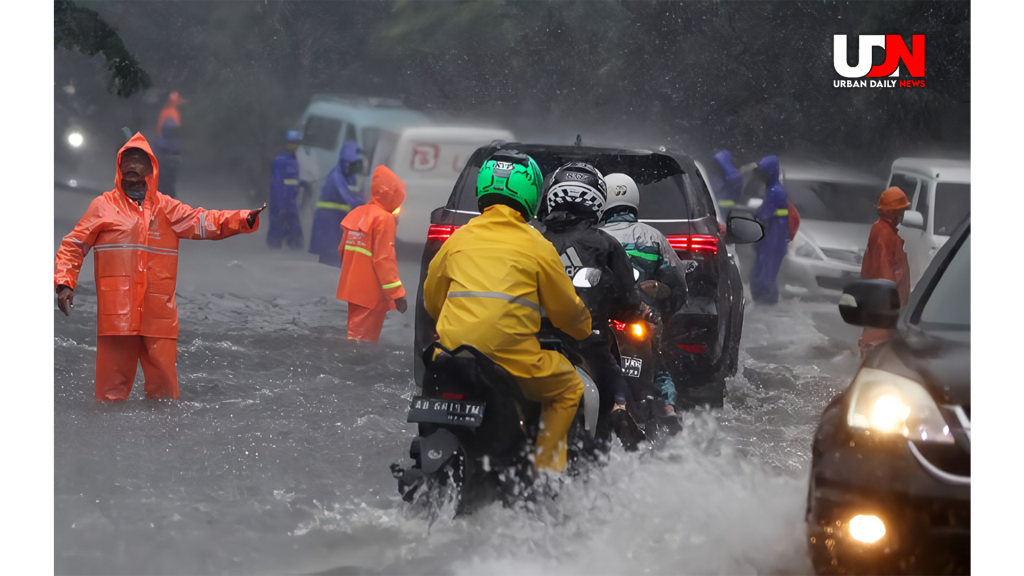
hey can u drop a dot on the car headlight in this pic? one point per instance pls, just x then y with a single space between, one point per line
884 402
804 249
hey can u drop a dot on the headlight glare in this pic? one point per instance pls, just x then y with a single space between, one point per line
884 402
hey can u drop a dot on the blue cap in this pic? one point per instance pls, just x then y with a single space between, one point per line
294 136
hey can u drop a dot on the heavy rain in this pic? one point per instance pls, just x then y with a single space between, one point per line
779 355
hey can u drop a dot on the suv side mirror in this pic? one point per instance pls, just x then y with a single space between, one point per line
741 230
870 303
913 219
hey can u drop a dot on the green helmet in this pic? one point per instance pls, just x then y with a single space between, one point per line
511 175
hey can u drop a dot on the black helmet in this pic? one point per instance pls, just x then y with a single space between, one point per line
575 186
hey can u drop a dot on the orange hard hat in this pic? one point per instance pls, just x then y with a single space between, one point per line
893 199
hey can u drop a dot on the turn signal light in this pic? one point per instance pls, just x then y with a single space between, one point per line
397 210
440 232
637 330
697 243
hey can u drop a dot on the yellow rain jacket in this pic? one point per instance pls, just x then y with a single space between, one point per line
487 286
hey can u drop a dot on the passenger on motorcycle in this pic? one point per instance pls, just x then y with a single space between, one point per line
486 288
650 253
574 196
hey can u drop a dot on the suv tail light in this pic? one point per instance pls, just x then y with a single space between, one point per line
440 232
697 243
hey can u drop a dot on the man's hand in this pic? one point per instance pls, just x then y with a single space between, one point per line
65 299
251 218
401 305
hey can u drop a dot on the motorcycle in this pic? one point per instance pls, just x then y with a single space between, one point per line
638 344
477 430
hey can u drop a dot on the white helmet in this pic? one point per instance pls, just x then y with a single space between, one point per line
622 191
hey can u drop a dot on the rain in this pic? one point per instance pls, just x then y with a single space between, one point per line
275 457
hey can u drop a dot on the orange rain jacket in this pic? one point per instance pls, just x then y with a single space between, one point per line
885 257
170 112
136 252
369 269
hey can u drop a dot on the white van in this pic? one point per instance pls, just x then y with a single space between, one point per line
940 194
330 120
428 156
429 159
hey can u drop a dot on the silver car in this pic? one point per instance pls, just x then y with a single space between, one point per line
837 207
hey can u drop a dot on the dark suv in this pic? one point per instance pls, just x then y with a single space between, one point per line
701 341
890 488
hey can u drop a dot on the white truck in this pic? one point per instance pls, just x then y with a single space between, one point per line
939 191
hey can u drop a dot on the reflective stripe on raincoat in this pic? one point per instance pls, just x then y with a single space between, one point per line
729 184
369 268
486 288
135 251
337 198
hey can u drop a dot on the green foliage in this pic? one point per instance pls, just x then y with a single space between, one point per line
83 30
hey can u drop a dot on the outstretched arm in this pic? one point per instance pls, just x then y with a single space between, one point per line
201 224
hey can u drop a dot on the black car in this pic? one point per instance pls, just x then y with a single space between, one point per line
890 487
701 341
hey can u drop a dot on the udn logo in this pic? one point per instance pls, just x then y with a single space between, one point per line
895 51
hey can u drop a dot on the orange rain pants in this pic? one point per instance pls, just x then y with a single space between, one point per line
118 357
366 323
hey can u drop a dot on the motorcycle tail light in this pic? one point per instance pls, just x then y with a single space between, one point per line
701 244
453 396
620 326
440 232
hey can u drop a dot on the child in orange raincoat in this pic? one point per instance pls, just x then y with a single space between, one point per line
369 269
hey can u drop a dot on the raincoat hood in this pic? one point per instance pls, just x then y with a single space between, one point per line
725 162
769 167
138 141
386 189
349 154
893 199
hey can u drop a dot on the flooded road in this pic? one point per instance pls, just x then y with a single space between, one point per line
275 458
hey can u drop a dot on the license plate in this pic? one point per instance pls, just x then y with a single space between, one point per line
631 366
457 412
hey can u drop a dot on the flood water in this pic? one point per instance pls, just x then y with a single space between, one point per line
275 458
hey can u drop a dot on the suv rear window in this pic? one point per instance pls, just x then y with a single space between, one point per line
662 183
321 132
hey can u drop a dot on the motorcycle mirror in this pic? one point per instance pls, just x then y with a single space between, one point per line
654 289
586 277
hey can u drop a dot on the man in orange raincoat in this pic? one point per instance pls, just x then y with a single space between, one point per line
369 270
885 257
133 231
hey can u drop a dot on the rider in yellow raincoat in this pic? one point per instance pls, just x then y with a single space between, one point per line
486 288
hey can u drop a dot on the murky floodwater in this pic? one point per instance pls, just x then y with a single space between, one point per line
275 458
